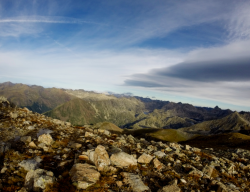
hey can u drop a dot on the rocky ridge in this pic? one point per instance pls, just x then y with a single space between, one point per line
39 153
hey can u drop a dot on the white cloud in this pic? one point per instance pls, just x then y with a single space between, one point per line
102 68
239 24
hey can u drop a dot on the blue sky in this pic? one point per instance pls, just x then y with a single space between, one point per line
189 51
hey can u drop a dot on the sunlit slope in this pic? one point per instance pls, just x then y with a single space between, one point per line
171 135
79 112
35 98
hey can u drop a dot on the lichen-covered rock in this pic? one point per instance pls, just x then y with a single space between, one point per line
170 188
30 164
122 159
46 139
84 175
101 158
135 182
36 180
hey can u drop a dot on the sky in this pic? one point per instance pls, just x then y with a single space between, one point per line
188 51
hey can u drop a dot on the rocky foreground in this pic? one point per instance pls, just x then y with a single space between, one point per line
43 154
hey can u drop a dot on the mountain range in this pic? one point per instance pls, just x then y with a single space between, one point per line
81 107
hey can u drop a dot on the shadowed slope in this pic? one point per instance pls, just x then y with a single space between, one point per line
221 141
234 122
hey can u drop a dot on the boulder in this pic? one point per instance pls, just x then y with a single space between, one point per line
208 170
122 159
157 164
58 122
101 158
76 145
46 139
170 188
196 173
89 134
30 164
13 115
160 154
135 182
36 180
30 127
145 158
43 131
26 139
83 157
84 175
4 147
32 145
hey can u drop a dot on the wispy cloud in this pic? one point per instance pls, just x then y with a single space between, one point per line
239 23
47 19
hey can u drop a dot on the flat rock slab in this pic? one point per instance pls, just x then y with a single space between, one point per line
123 159
135 182
145 158
84 175
170 188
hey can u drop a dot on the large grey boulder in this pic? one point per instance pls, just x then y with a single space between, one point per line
134 182
123 159
36 180
84 175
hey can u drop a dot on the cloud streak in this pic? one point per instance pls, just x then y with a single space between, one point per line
210 71
44 19
217 73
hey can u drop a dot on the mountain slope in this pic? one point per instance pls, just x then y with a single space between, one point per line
79 112
196 113
162 119
231 123
35 98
